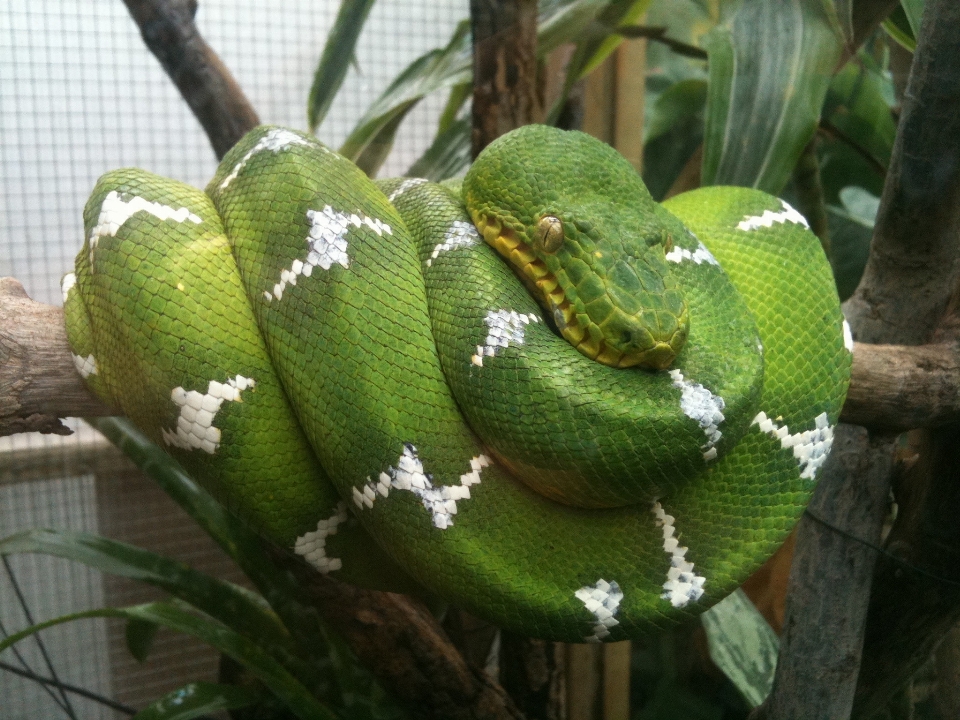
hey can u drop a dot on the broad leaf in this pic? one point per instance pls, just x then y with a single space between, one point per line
280 682
770 66
197 699
742 645
913 9
674 131
337 56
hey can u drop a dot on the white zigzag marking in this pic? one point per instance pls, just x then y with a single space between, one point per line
313 545
115 211
810 447
700 255
460 234
66 284
327 243
505 327
407 184
275 141
682 584
769 218
603 600
847 337
699 404
195 428
86 366
409 475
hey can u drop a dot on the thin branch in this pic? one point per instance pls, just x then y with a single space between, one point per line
210 90
658 34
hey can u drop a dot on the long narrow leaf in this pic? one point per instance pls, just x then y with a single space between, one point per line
559 21
447 156
236 607
770 66
281 683
337 55
197 699
277 586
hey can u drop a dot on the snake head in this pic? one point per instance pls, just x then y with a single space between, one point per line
573 219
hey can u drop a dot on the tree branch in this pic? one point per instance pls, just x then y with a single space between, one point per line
893 387
204 82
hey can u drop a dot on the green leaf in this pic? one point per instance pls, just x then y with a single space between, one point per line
559 21
595 41
742 645
437 69
447 156
770 66
337 55
680 102
861 205
290 601
197 699
913 9
170 615
898 26
140 635
243 611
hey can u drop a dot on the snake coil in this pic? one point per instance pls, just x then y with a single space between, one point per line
359 376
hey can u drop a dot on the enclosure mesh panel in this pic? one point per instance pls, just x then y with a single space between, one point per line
80 95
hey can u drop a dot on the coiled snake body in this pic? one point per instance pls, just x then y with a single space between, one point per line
335 361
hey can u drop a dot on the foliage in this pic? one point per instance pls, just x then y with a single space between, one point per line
297 662
770 86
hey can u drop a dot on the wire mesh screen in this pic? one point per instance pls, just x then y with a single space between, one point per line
79 95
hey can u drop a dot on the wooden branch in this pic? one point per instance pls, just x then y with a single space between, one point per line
897 387
893 387
38 381
204 82
911 277
505 90
915 255
400 641
831 574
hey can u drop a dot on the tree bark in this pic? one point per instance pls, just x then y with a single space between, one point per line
909 282
505 90
204 81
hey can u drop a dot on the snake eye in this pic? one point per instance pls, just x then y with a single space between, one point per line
549 233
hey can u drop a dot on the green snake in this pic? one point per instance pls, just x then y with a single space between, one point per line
544 397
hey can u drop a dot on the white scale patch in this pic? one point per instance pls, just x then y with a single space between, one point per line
115 211
86 366
410 476
699 404
847 337
603 600
195 428
66 284
327 243
504 327
313 545
274 141
682 585
700 255
769 218
404 186
460 234
810 447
